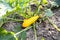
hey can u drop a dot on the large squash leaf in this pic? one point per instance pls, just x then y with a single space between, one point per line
4 35
3 8
57 1
21 36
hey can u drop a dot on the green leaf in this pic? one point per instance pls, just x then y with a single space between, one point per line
22 35
57 1
3 8
4 35
11 1
48 12
2 31
8 36
6 1
2 21
23 3
17 28
54 4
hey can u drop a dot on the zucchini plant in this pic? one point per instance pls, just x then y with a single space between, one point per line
30 10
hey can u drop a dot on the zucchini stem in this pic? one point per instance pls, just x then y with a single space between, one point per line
55 26
22 30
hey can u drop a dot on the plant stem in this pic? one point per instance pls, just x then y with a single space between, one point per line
34 31
13 19
55 26
23 30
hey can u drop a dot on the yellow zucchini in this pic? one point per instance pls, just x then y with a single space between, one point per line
28 22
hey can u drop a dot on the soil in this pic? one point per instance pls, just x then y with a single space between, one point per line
43 29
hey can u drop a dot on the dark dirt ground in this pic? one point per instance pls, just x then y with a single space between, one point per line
43 29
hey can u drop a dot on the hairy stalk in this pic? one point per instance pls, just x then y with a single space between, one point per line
13 19
55 26
34 31
23 30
